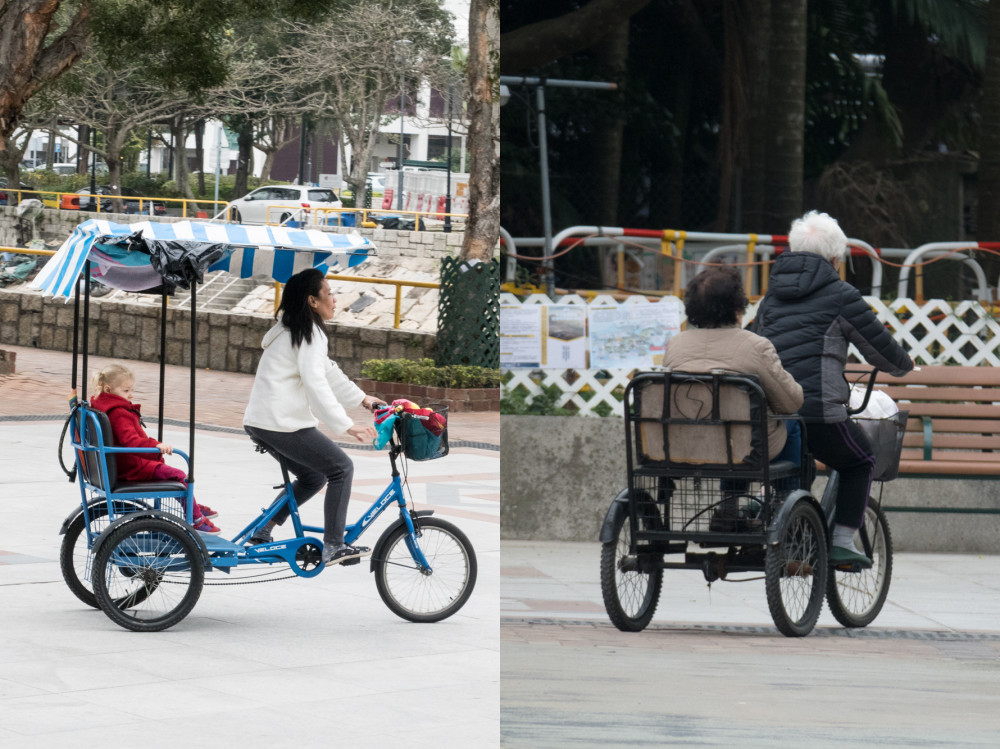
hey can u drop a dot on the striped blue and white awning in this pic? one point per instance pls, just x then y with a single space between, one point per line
264 252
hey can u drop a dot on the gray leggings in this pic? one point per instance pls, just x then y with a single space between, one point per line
314 460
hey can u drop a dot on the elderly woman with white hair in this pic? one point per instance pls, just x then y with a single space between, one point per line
811 317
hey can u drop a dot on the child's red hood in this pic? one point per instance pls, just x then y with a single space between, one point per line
106 401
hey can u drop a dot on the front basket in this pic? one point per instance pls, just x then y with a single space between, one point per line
886 437
419 442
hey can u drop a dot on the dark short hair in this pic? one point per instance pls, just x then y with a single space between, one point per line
714 298
296 313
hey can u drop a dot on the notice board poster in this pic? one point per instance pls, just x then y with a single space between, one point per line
566 336
631 336
521 336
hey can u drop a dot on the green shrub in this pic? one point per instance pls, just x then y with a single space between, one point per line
424 372
544 404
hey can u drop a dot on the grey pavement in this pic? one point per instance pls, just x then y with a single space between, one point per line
711 669
295 662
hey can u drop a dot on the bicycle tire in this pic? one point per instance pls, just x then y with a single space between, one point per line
795 571
415 595
633 611
856 598
159 556
75 558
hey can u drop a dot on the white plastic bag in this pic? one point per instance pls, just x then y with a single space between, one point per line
880 405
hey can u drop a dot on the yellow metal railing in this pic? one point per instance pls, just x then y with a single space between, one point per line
379 281
25 251
320 217
70 201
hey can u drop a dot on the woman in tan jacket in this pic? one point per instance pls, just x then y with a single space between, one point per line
714 302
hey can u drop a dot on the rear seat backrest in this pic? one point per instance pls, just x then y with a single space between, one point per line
93 458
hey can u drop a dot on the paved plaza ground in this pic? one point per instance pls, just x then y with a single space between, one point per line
297 662
712 671
531 662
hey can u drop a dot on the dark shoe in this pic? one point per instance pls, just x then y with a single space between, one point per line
260 536
344 554
841 556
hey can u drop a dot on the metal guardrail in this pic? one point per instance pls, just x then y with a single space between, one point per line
319 217
193 208
58 200
377 281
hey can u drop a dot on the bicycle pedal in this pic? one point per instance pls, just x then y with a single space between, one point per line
349 562
850 567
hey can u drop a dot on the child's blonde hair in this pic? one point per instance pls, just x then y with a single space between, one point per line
111 375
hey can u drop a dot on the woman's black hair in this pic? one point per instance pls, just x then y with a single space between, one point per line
714 298
296 313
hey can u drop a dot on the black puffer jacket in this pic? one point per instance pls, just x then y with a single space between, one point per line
811 317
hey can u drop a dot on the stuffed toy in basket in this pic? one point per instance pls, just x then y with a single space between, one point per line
422 432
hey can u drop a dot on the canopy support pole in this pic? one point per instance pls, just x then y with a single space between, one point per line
163 358
194 343
76 333
86 325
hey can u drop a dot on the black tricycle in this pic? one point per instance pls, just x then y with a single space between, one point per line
704 495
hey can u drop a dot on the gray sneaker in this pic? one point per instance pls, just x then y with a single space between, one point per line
344 553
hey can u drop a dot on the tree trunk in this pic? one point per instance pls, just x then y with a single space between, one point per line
29 58
988 179
265 170
758 31
180 123
10 162
608 140
482 228
50 144
244 159
114 139
199 150
82 152
787 87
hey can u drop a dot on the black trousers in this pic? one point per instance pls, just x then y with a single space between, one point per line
314 460
845 447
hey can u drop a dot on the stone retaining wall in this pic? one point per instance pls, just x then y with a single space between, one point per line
560 474
226 341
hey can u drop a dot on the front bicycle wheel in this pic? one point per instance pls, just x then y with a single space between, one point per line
795 571
148 575
856 598
426 595
630 584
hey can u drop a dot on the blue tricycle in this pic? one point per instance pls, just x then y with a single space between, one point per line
129 548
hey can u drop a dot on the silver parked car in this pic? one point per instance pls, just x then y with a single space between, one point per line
278 204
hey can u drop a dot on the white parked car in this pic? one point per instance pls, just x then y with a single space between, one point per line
278 204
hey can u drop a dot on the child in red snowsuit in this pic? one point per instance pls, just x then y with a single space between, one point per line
114 385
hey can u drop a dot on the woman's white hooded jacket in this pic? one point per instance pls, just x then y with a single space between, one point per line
295 388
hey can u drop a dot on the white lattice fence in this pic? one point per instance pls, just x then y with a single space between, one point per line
937 332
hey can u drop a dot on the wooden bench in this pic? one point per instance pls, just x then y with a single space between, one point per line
954 424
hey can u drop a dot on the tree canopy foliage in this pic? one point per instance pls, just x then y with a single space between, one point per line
891 91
